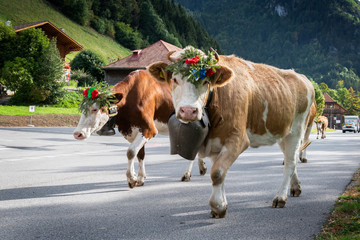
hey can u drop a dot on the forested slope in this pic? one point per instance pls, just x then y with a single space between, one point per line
318 38
137 23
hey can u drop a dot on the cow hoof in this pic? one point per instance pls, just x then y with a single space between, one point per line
203 171
222 214
132 184
185 177
295 192
303 160
140 183
278 203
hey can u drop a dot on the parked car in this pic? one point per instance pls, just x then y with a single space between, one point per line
351 124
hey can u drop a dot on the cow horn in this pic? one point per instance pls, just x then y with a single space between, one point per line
215 54
169 54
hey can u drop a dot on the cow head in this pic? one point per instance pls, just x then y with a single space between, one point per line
94 112
318 123
192 75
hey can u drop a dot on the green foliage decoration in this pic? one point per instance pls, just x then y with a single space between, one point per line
101 94
194 65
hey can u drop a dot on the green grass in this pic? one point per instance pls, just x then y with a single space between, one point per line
344 221
26 11
313 130
43 110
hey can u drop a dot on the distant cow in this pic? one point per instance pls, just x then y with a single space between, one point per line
144 106
252 105
321 126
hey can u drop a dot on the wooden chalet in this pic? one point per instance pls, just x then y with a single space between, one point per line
334 112
64 42
139 59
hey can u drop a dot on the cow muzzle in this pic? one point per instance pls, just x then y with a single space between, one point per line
188 114
79 136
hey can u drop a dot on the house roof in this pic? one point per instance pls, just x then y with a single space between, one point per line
52 31
141 58
328 99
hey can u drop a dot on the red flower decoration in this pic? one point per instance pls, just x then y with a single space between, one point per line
209 72
94 94
192 61
86 92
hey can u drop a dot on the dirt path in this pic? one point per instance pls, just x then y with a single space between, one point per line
54 120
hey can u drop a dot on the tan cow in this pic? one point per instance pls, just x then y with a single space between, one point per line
321 126
252 105
143 107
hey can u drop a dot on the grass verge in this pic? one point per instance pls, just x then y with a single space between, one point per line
40 110
344 221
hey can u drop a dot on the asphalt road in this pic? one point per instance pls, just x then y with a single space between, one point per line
53 187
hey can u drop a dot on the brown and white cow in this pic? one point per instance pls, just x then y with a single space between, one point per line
144 106
321 126
252 105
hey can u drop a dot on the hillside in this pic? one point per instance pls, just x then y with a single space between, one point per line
25 11
138 23
318 38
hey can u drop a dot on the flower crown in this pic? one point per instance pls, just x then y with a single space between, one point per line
101 95
195 65
318 120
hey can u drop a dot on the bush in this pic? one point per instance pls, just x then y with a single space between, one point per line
71 100
90 62
15 74
83 79
98 24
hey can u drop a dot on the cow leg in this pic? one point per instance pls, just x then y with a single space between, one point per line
221 164
133 150
289 145
302 154
317 133
187 174
141 172
202 166
202 169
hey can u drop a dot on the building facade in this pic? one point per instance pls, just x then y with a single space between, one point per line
334 112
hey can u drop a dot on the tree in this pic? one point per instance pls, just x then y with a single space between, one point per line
319 99
49 74
342 95
125 35
323 87
153 26
352 103
33 69
15 74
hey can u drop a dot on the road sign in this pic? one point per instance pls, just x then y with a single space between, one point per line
31 109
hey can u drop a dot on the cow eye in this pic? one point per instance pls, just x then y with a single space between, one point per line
175 81
94 110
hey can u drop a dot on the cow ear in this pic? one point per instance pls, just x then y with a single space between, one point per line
157 70
119 96
222 76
